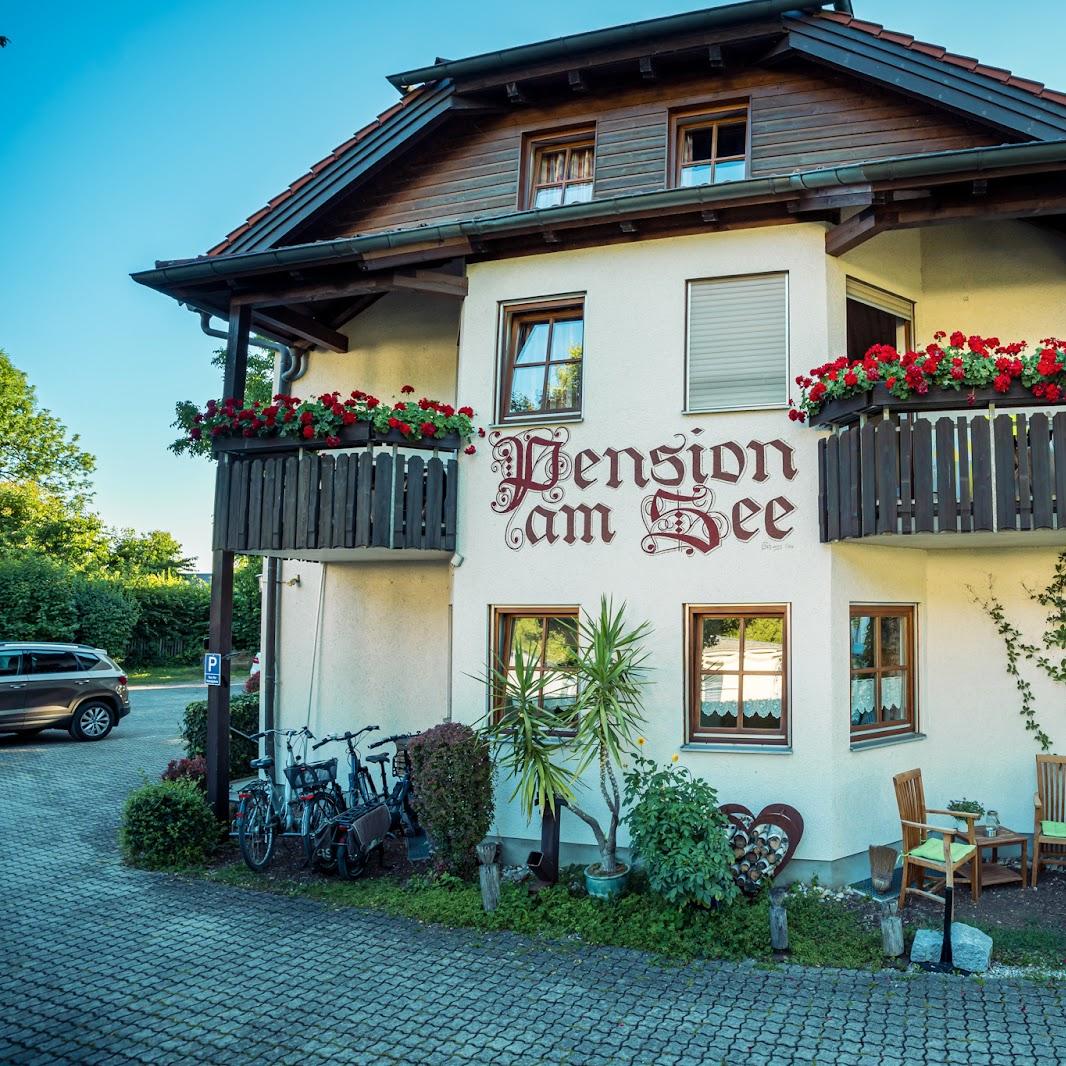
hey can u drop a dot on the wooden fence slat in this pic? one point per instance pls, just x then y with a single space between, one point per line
832 486
326 472
399 490
313 493
340 500
962 438
380 531
906 475
434 503
364 500
451 503
1006 490
255 504
1025 471
266 521
922 445
303 496
868 463
946 503
223 476
887 476
1059 444
823 517
413 520
290 501
238 522
854 500
351 500
981 484
1040 452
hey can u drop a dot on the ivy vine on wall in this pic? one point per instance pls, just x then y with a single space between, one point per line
1049 655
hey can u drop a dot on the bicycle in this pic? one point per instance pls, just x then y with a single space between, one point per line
266 809
360 831
326 801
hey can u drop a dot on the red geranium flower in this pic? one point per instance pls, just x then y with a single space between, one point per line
428 429
470 449
468 411
407 389
309 431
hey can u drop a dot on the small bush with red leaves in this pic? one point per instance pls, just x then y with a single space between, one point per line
194 770
252 684
452 787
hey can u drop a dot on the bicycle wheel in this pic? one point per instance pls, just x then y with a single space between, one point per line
316 829
256 834
351 857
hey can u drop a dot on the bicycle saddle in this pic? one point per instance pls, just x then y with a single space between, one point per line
376 758
262 764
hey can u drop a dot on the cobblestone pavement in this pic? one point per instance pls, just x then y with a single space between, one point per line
101 964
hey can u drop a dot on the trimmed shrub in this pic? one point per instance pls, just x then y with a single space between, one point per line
194 770
167 825
35 600
106 613
678 832
452 787
243 715
173 611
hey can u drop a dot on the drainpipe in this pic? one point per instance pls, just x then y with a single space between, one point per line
293 363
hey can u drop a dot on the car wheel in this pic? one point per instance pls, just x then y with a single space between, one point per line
93 720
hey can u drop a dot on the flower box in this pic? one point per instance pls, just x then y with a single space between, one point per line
847 409
359 434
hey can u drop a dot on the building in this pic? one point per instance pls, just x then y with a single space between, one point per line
622 248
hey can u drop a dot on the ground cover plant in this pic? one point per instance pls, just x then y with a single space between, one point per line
167 825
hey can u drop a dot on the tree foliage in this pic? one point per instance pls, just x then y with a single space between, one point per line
137 554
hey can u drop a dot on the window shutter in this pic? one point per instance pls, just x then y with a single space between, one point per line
738 342
883 301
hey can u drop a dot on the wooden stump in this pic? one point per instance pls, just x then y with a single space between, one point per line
489 874
891 931
778 921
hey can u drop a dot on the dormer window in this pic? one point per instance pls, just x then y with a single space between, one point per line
711 147
561 168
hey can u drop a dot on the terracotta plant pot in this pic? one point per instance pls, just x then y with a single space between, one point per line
606 886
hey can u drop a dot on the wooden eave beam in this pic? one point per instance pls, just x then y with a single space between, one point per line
308 329
857 230
428 281
432 281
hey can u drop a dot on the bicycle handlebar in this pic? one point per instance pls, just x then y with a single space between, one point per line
394 738
302 731
349 736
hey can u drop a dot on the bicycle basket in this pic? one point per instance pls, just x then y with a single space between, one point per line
306 776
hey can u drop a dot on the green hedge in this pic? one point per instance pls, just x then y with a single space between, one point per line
167 825
173 610
244 715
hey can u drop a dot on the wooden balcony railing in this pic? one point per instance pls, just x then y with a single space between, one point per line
317 502
965 474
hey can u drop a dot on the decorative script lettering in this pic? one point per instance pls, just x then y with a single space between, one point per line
682 513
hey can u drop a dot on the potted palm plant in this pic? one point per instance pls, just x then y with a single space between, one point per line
541 747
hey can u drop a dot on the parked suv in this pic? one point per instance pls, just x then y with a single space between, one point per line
60 686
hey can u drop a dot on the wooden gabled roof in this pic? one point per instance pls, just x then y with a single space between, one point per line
1021 108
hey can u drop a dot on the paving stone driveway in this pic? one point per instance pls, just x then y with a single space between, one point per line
101 964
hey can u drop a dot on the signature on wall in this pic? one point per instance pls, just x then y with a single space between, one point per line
683 513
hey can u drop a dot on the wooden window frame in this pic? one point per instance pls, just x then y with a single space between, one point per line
501 637
701 117
697 734
583 136
882 728
514 316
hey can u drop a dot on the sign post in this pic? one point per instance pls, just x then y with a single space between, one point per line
212 668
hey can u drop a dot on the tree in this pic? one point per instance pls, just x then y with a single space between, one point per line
156 552
34 444
36 522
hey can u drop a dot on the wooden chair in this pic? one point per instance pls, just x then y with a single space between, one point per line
1049 821
921 852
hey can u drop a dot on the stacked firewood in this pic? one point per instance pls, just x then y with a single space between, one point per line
757 851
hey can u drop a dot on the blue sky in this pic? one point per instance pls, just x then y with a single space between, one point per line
131 132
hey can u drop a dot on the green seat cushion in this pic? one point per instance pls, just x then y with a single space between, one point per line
1053 829
933 849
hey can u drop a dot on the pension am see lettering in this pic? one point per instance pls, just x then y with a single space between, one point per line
696 493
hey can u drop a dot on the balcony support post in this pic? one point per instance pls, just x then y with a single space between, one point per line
220 632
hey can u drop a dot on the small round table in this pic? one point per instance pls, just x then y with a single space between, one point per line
994 873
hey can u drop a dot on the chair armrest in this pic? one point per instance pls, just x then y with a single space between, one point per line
966 815
931 828
1037 802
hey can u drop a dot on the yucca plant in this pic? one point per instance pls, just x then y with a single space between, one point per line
608 707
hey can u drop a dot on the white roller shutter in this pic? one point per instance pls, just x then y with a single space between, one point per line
879 298
738 342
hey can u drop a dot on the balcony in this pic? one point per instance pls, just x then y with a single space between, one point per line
364 505
900 474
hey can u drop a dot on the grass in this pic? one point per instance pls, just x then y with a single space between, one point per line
1043 948
174 675
820 932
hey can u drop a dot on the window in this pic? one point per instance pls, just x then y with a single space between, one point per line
737 343
9 663
882 671
877 317
548 636
90 662
52 662
738 669
543 351
561 169
711 148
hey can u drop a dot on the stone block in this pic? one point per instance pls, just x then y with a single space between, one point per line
971 950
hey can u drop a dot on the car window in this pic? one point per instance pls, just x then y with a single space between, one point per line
89 662
9 663
52 662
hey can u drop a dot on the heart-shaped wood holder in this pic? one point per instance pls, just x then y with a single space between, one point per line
763 844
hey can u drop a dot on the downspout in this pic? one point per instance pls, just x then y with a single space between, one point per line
293 363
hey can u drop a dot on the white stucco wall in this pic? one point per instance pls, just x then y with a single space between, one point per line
393 638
